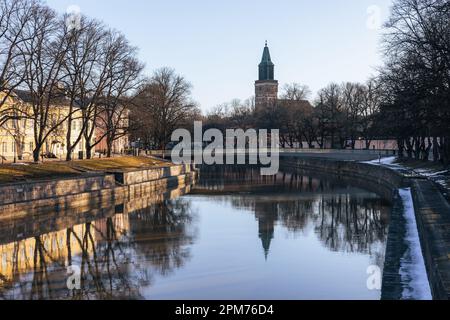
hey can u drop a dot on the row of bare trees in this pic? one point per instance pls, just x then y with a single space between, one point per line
341 115
407 101
65 60
347 113
416 78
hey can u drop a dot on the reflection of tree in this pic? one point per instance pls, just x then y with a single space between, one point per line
116 255
350 224
345 219
343 223
103 275
161 236
40 274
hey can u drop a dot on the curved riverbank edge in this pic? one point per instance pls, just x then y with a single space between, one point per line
432 213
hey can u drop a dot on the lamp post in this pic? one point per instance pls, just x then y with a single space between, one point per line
15 149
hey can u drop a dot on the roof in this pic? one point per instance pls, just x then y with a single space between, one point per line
266 60
27 97
303 104
266 67
24 95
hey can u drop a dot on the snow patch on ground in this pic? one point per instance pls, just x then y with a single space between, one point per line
383 161
440 177
430 173
412 265
443 183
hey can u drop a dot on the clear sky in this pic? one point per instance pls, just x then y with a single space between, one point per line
217 45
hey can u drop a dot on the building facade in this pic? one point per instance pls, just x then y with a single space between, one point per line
266 87
120 124
17 141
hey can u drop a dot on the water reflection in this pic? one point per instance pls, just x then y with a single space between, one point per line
115 255
231 237
346 219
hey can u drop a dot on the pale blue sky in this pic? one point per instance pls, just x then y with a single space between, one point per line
217 45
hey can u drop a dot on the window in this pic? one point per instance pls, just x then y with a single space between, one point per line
31 146
4 147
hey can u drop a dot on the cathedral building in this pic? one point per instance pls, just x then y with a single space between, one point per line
266 87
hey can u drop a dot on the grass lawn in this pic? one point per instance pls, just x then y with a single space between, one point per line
50 170
16 173
122 163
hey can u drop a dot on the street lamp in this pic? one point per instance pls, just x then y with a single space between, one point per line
15 149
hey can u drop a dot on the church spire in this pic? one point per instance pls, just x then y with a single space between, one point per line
266 67
266 87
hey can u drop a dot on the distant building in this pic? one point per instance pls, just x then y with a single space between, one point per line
266 97
121 138
266 87
17 134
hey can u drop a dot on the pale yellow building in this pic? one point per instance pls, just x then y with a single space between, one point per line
17 135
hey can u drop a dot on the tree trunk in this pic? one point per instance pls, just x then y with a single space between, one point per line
109 145
401 148
36 154
436 157
69 154
69 138
445 155
417 148
88 146
409 148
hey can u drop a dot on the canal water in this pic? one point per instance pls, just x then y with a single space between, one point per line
234 235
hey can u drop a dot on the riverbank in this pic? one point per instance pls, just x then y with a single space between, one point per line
79 184
433 171
20 172
432 214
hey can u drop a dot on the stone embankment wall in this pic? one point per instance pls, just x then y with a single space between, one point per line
431 209
35 198
30 191
379 179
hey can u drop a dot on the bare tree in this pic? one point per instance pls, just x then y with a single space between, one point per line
416 77
83 81
117 79
370 108
44 52
15 17
296 91
352 97
329 112
164 104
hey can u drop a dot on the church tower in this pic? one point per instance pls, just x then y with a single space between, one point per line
266 88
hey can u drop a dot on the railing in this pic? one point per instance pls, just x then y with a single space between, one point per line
291 150
343 151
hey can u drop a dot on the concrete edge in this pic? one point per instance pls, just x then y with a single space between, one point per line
431 209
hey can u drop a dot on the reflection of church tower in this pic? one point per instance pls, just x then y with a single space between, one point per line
267 217
266 88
